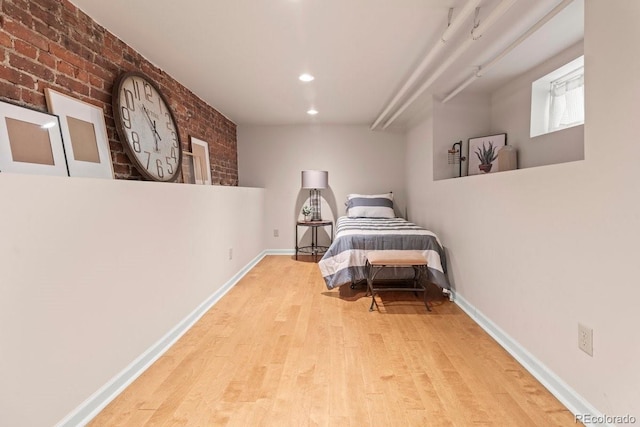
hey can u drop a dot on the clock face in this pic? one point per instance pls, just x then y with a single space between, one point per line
146 127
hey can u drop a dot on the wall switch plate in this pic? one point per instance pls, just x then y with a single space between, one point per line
230 253
585 339
276 232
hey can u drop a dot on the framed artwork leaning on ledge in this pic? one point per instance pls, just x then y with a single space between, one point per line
483 153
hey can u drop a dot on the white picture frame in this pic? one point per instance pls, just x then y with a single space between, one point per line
30 142
190 165
84 134
200 150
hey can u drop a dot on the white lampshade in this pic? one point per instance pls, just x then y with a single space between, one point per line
315 179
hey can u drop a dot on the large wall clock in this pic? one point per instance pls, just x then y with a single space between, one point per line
147 127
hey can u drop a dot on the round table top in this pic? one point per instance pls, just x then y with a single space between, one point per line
318 222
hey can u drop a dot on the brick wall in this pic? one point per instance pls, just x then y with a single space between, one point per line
51 43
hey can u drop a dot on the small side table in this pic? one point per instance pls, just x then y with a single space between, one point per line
314 249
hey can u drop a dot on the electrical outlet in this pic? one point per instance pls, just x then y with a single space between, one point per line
230 253
276 232
585 339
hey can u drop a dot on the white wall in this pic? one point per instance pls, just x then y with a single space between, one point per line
538 250
93 272
465 116
357 159
511 113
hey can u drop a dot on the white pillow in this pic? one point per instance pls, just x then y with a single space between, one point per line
370 206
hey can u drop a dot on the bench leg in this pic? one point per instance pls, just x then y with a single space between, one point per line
422 273
371 274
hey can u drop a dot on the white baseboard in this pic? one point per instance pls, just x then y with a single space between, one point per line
280 252
88 409
561 390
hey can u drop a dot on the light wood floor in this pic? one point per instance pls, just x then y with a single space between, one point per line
281 350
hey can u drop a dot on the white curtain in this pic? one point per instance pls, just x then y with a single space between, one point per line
567 101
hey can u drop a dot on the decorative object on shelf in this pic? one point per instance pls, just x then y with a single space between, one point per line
200 151
507 158
306 211
30 141
315 181
190 166
84 134
146 126
483 153
454 156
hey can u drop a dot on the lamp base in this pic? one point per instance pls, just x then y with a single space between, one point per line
314 201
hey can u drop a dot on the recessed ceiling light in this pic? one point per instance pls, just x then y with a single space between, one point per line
306 77
312 112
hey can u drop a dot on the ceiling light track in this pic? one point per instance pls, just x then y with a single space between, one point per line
484 68
452 29
476 33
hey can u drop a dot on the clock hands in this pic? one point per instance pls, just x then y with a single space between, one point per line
152 124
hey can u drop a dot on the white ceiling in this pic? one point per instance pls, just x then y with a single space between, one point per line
243 57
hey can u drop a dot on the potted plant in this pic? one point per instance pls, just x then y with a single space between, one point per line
306 211
486 157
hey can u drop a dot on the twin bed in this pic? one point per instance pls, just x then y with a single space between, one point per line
371 225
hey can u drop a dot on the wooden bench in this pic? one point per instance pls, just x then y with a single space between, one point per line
379 260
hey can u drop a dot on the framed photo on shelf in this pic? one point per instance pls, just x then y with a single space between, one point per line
84 134
483 153
191 166
30 141
200 150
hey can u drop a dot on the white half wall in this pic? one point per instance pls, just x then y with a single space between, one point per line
358 161
539 250
511 113
94 272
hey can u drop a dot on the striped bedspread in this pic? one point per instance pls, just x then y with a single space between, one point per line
344 261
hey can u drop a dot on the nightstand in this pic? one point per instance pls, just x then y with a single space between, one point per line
313 249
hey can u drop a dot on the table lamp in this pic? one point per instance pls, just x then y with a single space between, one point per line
314 181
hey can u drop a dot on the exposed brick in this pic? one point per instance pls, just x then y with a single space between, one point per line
69 7
66 68
47 59
100 95
46 31
121 158
48 13
88 36
71 45
63 54
26 49
113 56
53 6
70 18
30 66
23 33
72 84
96 81
83 76
9 90
123 170
104 72
31 97
17 77
5 39
16 13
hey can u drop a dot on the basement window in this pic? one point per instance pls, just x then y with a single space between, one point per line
557 99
